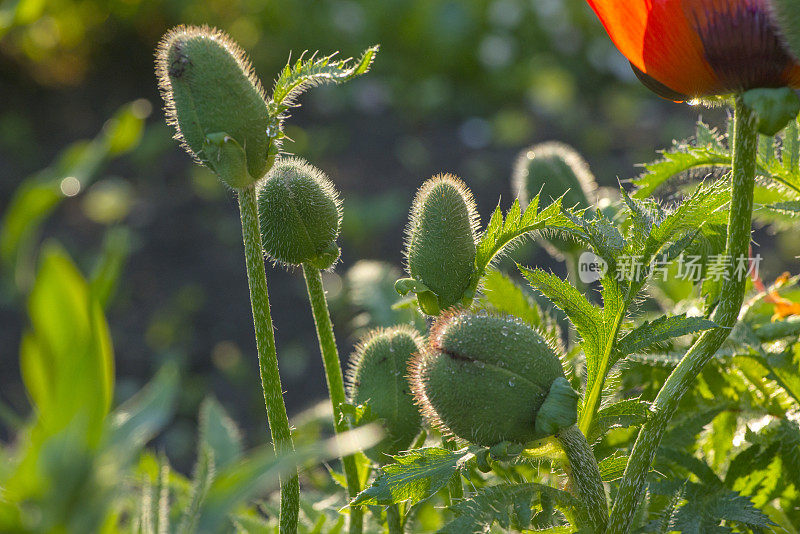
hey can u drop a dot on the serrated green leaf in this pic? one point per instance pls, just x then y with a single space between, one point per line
660 330
678 160
621 414
613 467
586 317
502 505
305 73
414 476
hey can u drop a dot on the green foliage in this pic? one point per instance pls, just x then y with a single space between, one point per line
73 170
306 73
512 506
415 476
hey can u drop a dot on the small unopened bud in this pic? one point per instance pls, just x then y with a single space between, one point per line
300 213
376 377
551 170
490 379
215 102
440 243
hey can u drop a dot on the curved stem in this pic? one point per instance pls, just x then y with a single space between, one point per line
393 520
333 375
726 314
585 476
267 356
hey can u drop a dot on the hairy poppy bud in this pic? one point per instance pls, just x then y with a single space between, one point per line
376 378
215 102
489 379
300 213
440 243
551 170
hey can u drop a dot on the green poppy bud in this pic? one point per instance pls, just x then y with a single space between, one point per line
376 377
786 14
440 243
300 213
774 108
489 379
215 102
551 170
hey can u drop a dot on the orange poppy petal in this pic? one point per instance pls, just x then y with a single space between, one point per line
657 39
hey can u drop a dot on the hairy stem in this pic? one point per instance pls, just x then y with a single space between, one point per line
726 314
267 356
333 375
393 520
585 476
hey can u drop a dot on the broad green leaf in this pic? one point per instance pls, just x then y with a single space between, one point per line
414 476
66 359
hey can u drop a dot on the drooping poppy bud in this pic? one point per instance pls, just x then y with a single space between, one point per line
489 379
300 212
686 49
377 378
440 243
215 102
551 170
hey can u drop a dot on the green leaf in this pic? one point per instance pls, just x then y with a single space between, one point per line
621 414
586 317
500 234
66 359
414 476
679 159
510 505
305 73
219 433
141 417
660 330
791 208
202 479
613 467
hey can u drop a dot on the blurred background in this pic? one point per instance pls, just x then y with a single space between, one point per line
459 86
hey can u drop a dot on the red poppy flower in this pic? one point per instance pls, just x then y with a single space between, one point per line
691 48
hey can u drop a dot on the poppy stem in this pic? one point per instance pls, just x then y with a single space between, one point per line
267 356
333 375
631 490
584 476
